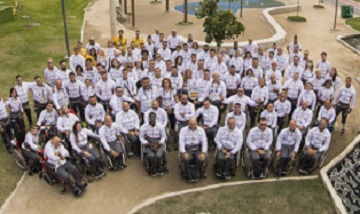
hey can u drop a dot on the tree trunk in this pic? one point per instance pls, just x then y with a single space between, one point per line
167 6
133 12
125 6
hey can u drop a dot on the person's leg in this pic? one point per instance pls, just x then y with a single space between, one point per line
9 136
75 174
96 157
28 115
220 164
254 155
283 156
172 120
228 163
33 159
252 114
199 163
116 146
63 175
266 161
311 161
344 115
151 157
159 159
135 144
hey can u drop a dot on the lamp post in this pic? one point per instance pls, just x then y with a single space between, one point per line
112 18
336 9
133 12
65 28
167 6
241 8
185 11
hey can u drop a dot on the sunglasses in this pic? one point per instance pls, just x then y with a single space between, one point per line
262 124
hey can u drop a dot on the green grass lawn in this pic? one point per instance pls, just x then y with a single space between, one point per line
354 23
25 51
276 197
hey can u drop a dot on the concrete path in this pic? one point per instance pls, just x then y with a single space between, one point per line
119 192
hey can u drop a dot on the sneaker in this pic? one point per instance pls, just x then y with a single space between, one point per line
284 173
82 186
130 155
219 174
262 175
77 192
89 178
136 156
160 171
153 172
227 176
302 171
98 175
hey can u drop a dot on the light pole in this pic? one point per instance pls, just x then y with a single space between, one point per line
241 8
185 11
336 9
133 12
112 18
65 28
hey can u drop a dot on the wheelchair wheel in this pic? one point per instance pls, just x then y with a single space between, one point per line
79 165
47 178
322 159
19 160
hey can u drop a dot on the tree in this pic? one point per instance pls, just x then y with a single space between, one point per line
218 25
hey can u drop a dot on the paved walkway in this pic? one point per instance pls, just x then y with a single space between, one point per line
119 192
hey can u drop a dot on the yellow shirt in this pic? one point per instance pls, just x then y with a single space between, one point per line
82 52
93 59
120 44
138 42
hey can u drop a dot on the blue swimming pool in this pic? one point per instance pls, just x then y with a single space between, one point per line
234 6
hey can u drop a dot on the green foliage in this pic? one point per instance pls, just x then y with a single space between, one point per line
218 25
6 14
318 6
354 23
296 18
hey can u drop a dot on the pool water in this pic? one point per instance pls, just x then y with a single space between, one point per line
234 5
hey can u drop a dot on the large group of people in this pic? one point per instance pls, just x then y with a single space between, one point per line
133 97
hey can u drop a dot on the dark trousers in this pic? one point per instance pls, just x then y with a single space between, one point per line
116 146
78 107
28 114
135 143
94 159
172 120
32 156
218 105
344 111
281 123
256 158
38 108
64 171
224 166
6 136
293 106
285 155
254 112
211 134
193 157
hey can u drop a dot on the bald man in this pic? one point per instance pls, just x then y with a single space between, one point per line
229 140
303 117
287 145
92 44
193 145
110 139
328 112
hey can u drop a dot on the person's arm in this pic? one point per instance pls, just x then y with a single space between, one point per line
214 117
199 112
137 121
218 138
275 120
279 141
326 144
192 112
269 140
41 118
92 134
177 113
239 141
103 113
74 145
204 141
119 118
146 116
163 135
249 142
352 100
59 125
228 100
142 135
87 118
313 102
165 118
309 117
103 139
308 137
50 154
266 100
298 140
243 118
182 140
299 101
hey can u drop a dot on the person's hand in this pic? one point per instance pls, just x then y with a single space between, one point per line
87 154
227 156
154 146
114 154
222 106
98 124
182 115
261 152
47 127
136 133
258 101
57 154
1 130
67 133
278 154
53 90
221 97
185 156
205 127
201 156
292 155
169 111
223 151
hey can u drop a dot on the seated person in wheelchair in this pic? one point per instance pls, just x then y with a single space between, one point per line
94 114
259 141
287 145
210 115
240 117
270 115
128 123
31 148
65 124
111 138
317 142
152 135
84 148
48 119
229 140
193 146
328 112
56 154
303 117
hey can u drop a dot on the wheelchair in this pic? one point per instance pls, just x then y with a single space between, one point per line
233 167
246 163
193 169
83 164
317 164
276 161
146 163
109 163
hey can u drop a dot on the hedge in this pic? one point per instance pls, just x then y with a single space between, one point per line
6 14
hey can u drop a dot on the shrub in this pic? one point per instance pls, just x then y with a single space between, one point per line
296 19
318 6
6 14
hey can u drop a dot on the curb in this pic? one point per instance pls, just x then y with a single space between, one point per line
8 200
